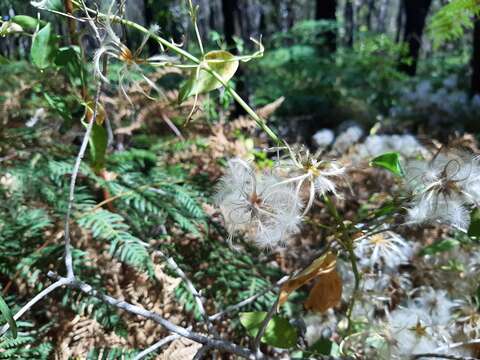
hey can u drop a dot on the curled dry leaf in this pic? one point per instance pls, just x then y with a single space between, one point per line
322 265
89 109
326 293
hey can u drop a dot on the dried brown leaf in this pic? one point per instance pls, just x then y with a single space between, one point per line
322 265
326 293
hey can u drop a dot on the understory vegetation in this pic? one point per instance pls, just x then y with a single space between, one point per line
173 191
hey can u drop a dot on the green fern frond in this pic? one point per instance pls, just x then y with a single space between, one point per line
112 228
114 354
450 21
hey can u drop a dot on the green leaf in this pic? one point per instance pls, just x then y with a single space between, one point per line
7 314
474 229
279 332
439 247
43 47
69 59
325 347
389 161
201 81
27 22
98 146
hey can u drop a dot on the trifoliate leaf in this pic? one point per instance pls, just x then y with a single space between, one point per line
389 161
279 332
201 81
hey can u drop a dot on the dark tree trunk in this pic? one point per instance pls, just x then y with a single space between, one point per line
475 81
231 28
399 21
349 22
228 9
325 10
287 15
370 14
415 14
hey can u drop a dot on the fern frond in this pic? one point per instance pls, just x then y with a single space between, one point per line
112 228
451 20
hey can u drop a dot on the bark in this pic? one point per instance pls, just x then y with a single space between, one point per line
370 14
231 27
228 10
475 80
415 15
383 16
349 23
325 10
72 26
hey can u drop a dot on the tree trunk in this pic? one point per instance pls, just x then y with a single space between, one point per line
231 28
475 81
383 16
415 15
228 9
349 22
399 21
371 9
325 10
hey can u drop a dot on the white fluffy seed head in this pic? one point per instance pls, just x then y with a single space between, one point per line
443 189
257 205
384 251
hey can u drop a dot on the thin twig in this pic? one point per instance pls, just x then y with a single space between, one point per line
156 346
457 344
442 356
60 282
198 298
73 182
167 44
263 327
201 352
7 157
214 343
248 300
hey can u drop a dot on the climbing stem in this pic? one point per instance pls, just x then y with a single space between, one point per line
198 62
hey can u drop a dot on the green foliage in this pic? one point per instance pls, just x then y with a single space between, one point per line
112 228
439 246
114 354
28 23
451 20
98 146
33 198
474 229
7 314
389 161
324 347
278 333
43 47
358 82
201 81
28 344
